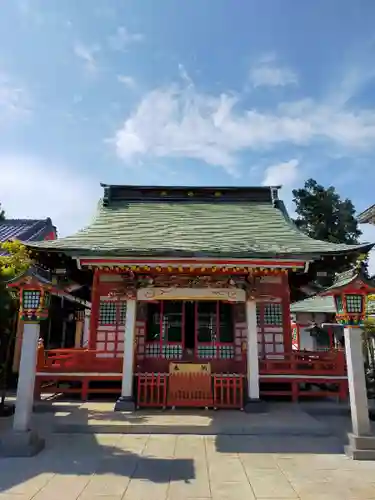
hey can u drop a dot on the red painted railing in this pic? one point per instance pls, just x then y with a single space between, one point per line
228 391
330 362
159 390
77 360
304 363
152 390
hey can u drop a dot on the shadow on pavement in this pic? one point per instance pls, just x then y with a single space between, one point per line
279 444
84 456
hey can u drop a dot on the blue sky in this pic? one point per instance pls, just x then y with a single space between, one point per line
241 92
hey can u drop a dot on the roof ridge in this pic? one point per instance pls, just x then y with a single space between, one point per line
124 193
179 187
31 221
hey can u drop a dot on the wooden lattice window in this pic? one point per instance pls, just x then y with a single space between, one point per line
270 328
273 314
31 299
111 328
206 322
258 314
107 313
122 313
354 303
164 332
214 330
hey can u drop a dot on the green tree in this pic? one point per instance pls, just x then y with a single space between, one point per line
323 215
2 213
15 261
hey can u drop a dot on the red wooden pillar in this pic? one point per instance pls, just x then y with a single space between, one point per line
287 329
95 304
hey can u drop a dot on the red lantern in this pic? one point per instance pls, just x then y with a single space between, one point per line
350 292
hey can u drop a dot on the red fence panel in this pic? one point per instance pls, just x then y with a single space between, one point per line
77 360
304 363
152 390
228 391
190 389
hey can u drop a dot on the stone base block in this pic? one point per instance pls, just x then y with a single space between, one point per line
255 406
20 444
361 447
125 404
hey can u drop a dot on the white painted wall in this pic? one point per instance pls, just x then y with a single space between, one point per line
306 340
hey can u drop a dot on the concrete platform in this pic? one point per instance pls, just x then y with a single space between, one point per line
310 419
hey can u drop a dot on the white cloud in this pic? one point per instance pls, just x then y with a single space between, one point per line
128 81
122 38
33 188
281 174
181 122
87 54
267 73
14 100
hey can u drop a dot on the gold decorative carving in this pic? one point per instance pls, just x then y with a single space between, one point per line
190 368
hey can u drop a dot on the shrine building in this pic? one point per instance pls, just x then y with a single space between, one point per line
189 292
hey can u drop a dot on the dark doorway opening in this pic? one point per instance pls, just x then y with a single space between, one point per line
189 334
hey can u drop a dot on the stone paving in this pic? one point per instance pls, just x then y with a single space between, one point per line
181 467
287 453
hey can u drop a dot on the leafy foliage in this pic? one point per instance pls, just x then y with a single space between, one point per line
16 259
323 215
2 213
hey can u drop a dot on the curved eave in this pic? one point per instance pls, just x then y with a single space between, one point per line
317 304
124 252
367 216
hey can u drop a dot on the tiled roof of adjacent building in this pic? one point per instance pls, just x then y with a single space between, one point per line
367 216
314 304
347 277
193 222
26 229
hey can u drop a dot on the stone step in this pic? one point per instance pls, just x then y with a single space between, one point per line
356 454
361 442
196 428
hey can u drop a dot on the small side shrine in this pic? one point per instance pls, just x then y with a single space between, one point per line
61 302
350 293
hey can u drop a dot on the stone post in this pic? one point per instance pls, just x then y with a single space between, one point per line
361 441
22 441
126 401
18 346
253 401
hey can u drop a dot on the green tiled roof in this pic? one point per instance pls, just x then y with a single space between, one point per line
347 277
314 304
368 216
239 222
